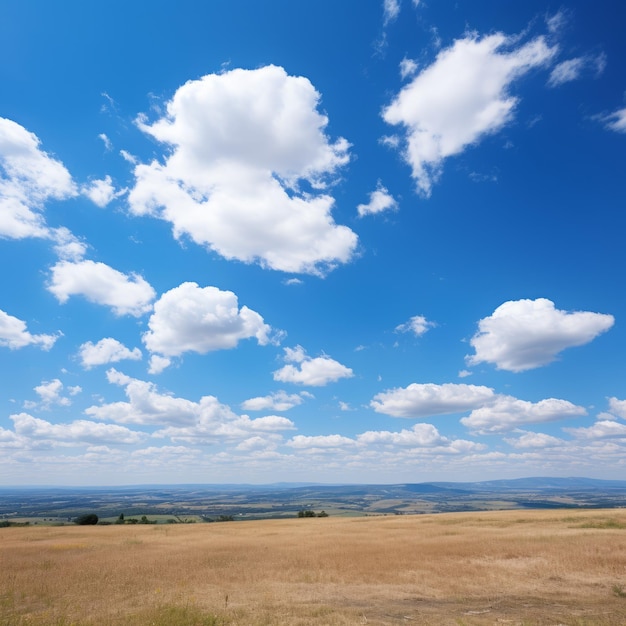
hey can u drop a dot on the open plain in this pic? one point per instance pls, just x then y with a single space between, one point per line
557 567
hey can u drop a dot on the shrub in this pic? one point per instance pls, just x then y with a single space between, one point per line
88 519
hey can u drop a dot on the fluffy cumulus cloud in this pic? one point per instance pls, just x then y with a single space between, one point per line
424 400
534 440
74 433
100 191
101 284
380 200
218 423
107 350
246 172
315 372
617 407
525 334
506 413
279 401
190 318
29 178
14 334
302 442
182 419
420 436
418 325
443 112
51 393
145 405
602 429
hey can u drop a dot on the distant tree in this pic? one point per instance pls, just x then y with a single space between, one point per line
306 513
225 518
322 514
120 519
88 519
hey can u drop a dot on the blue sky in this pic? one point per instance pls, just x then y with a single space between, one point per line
311 241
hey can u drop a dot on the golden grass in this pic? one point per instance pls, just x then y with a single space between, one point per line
504 567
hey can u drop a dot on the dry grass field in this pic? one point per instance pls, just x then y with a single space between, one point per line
504 567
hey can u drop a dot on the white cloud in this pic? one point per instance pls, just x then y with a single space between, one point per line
418 325
315 372
566 71
506 413
14 335
101 284
408 67
391 10
77 432
239 145
50 393
66 245
279 401
190 318
146 405
183 419
106 141
463 96
557 21
420 436
101 192
293 281
302 442
28 178
615 121
424 400
464 373
572 69
380 200
534 440
618 407
602 429
218 423
158 364
107 350
525 334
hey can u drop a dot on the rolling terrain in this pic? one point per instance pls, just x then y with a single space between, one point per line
521 567
243 502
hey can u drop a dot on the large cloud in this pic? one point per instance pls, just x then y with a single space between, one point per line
424 400
506 413
76 432
190 318
14 334
602 429
315 372
28 178
240 144
525 334
182 419
101 284
463 96
420 436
